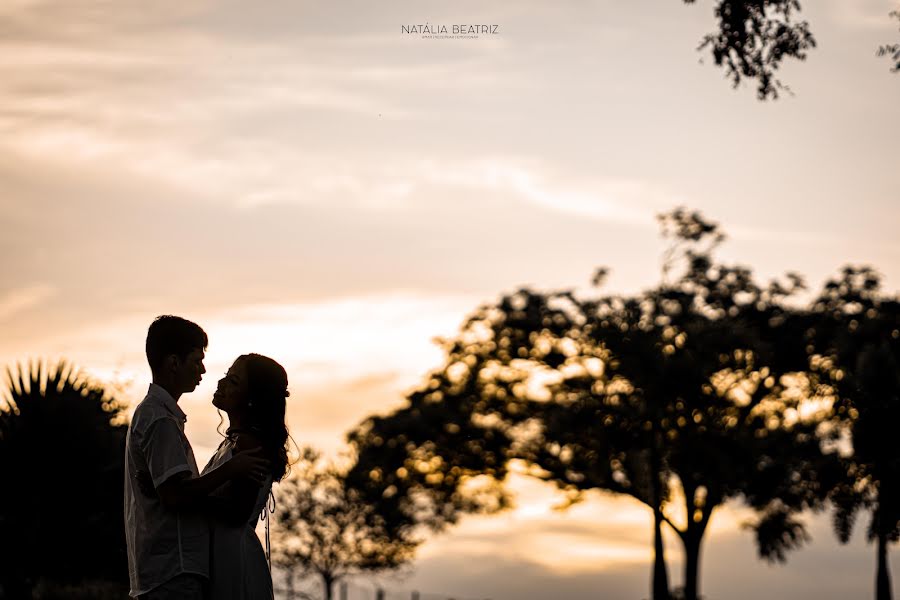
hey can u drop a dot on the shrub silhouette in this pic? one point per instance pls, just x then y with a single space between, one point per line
62 440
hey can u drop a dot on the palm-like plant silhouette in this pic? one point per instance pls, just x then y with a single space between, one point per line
61 459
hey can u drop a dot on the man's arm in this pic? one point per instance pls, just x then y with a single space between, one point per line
171 470
235 506
182 490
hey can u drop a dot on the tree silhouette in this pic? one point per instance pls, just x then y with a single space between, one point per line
858 353
692 389
62 440
892 50
326 529
444 454
754 37
726 386
694 398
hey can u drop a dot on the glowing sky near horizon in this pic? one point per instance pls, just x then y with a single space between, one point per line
308 182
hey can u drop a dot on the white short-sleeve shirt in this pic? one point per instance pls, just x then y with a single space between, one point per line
162 542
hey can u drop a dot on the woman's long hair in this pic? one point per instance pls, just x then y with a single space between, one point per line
267 394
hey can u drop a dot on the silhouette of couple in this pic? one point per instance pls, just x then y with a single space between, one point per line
191 535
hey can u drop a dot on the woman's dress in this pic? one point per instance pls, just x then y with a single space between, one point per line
238 567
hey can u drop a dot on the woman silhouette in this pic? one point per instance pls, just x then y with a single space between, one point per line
253 394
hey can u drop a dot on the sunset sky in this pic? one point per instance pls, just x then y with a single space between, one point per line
307 181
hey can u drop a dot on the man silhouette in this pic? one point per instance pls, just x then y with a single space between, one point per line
165 527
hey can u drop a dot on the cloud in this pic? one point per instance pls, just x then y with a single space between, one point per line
866 15
108 87
555 189
575 554
22 299
346 357
102 79
582 541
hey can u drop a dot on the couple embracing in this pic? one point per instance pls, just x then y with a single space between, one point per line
191 534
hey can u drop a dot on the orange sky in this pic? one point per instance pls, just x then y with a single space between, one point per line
307 181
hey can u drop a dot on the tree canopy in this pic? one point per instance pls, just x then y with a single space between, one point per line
753 39
857 345
892 51
325 529
688 395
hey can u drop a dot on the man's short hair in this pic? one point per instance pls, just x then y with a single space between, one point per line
169 334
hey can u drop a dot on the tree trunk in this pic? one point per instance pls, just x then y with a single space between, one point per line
660 583
660 574
692 540
289 584
328 585
883 578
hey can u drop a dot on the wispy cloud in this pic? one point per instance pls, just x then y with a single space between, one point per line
21 299
869 15
555 189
